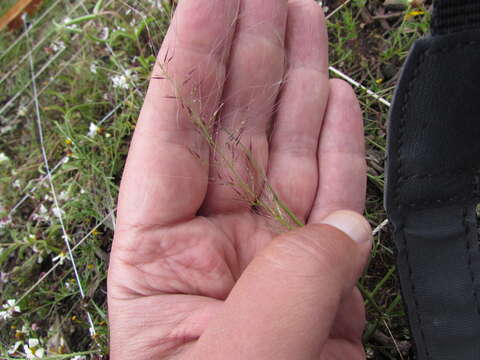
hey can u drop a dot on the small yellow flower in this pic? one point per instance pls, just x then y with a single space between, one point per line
74 317
414 13
379 81
95 232
90 266
68 141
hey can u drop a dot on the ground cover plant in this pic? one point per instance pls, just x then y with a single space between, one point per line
86 64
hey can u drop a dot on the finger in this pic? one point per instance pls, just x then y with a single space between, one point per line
255 72
293 165
285 302
165 179
350 320
341 155
346 334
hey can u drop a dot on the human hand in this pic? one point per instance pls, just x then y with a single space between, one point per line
195 273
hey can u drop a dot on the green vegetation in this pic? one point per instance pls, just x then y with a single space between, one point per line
93 59
5 5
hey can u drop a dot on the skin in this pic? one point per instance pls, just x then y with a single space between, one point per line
194 272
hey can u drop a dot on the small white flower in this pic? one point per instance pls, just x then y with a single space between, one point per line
120 81
60 258
33 349
58 212
123 81
93 130
79 357
93 68
63 195
43 210
58 45
104 34
12 305
17 184
22 111
4 315
15 347
10 308
3 158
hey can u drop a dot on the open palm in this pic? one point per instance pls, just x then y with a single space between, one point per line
184 239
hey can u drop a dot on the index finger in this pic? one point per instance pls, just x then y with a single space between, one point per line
166 175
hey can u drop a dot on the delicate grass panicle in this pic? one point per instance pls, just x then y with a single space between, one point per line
245 187
91 62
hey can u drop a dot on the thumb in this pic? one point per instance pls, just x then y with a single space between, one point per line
286 301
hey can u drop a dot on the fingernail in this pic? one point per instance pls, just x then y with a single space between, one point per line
351 223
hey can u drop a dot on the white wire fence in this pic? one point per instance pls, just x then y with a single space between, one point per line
37 46
35 93
37 21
